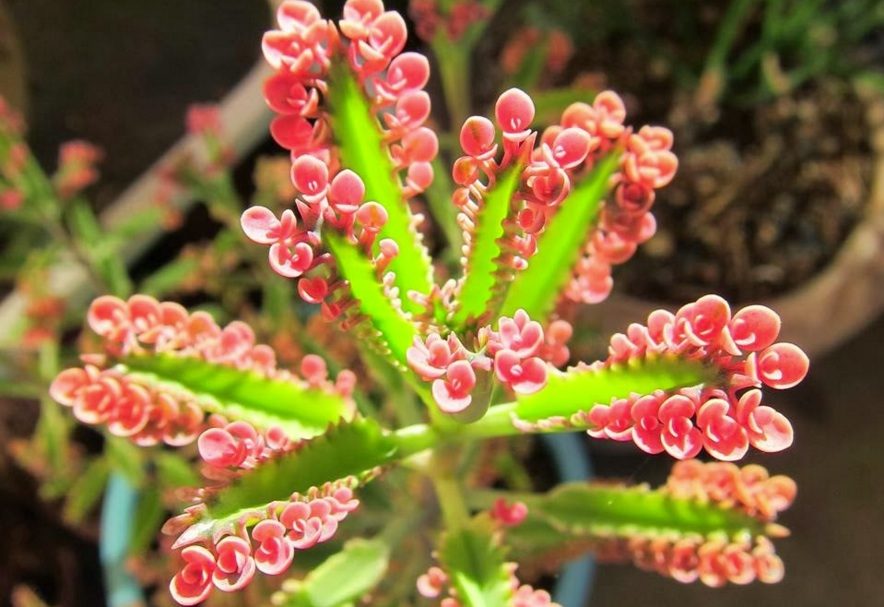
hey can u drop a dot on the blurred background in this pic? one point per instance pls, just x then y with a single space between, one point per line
778 112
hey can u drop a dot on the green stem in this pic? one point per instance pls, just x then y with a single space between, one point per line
448 489
454 70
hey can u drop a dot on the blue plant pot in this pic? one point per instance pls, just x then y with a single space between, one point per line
574 585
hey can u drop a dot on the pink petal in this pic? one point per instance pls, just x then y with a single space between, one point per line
259 223
782 365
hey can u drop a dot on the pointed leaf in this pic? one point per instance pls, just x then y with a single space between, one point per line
482 277
348 449
475 564
579 389
396 331
239 394
537 289
358 136
344 577
598 510
86 490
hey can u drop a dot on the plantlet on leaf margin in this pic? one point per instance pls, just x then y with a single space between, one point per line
545 217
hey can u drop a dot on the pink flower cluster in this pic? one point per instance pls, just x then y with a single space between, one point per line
239 445
130 408
435 582
295 246
565 154
149 414
459 16
749 488
724 418
76 167
302 52
513 351
646 164
714 561
230 562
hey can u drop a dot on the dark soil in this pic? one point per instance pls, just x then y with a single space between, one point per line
756 215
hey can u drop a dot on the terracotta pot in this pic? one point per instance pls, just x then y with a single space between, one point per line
831 307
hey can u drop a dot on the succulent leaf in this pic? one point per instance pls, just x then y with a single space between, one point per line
300 410
474 561
395 330
482 277
344 577
537 289
363 151
354 448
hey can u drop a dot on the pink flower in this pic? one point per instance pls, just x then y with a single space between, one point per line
452 393
680 437
768 429
274 553
309 523
509 515
514 112
234 565
524 376
755 328
431 583
193 583
430 360
203 119
704 320
782 365
723 437
520 334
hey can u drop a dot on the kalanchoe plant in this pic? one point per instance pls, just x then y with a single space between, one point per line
545 217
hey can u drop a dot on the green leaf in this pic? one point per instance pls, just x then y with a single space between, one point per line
580 389
149 517
349 449
549 103
537 289
240 394
396 331
344 577
86 490
603 510
483 273
363 151
475 564
125 458
174 471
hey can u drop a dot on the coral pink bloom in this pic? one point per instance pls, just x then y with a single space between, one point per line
430 584
291 261
131 411
452 394
519 334
407 72
754 328
648 429
569 148
612 421
193 583
274 552
477 138
514 112
67 384
260 225
524 376
723 437
680 438
704 320
309 523
285 94
782 365
108 315
220 448
234 565
431 360
509 515
768 429
313 290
